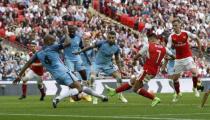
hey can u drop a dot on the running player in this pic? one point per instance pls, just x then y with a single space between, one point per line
50 59
154 54
103 61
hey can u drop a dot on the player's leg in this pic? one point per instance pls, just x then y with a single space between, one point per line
195 77
117 76
121 88
138 88
93 85
179 67
205 97
177 94
82 71
68 79
28 75
196 82
40 85
71 66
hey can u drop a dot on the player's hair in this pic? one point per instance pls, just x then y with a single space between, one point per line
70 27
47 37
176 20
112 33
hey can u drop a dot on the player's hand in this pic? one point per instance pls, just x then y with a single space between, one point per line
76 52
17 80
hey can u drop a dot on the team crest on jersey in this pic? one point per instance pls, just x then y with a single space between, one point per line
184 37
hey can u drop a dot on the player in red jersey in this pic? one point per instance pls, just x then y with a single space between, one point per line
154 53
34 73
184 61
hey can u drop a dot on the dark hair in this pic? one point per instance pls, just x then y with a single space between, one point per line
176 20
150 33
112 33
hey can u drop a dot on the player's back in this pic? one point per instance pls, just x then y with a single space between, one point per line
156 54
50 59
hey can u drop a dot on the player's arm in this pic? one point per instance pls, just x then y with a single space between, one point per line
117 60
37 64
97 44
84 49
169 43
67 39
195 37
143 50
170 54
27 65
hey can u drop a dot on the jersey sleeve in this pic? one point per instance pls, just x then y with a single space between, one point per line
144 49
168 52
191 35
99 43
169 43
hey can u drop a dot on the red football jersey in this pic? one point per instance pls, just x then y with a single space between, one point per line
181 44
155 54
36 69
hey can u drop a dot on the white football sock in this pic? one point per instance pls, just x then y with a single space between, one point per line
70 92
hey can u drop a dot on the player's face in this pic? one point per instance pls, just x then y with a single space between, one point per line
72 32
33 48
177 26
111 39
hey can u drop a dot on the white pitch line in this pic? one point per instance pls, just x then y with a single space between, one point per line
122 104
171 114
88 116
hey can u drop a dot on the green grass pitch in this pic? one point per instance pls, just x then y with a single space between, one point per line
187 108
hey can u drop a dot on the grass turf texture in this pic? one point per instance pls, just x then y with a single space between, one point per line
138 108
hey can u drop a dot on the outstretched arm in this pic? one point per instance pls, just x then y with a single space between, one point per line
27 65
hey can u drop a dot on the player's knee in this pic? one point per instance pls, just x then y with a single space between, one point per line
132 79
24 81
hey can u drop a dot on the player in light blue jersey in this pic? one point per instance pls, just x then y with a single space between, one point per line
50 59
103 61
72 61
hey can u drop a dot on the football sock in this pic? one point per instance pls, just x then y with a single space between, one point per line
89 91
123 87
176 87
195 81
24 89
67 93
145 93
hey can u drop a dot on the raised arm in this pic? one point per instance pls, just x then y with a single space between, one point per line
67 39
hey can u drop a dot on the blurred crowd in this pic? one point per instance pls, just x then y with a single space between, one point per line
28 21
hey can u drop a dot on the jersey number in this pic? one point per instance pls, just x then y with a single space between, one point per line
47 60
159 53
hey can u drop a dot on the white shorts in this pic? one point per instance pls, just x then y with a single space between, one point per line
30 75
184 64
